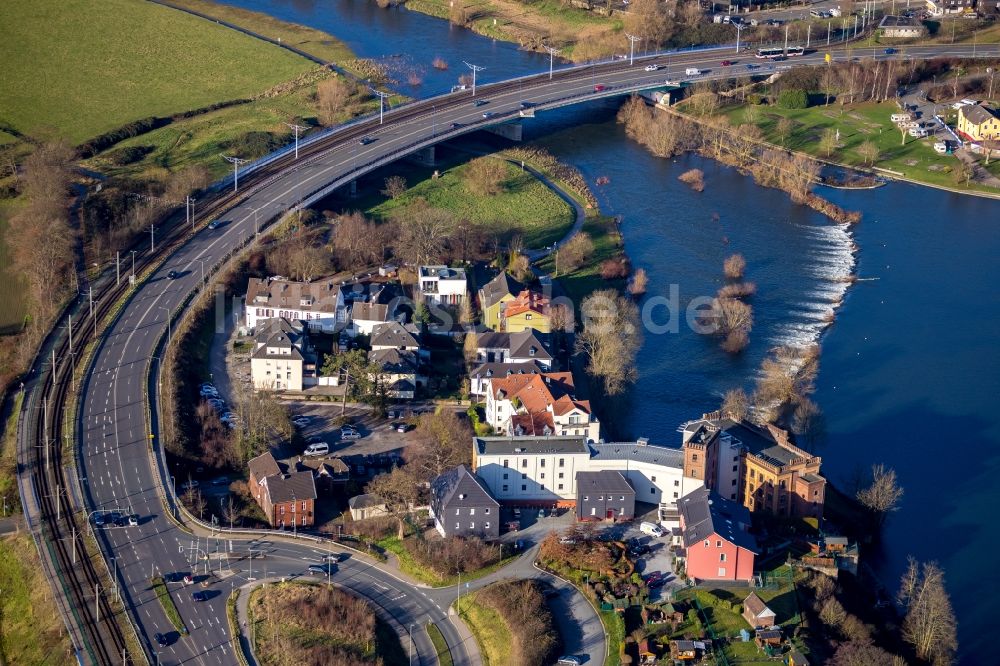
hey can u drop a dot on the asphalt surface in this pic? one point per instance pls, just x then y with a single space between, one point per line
113 459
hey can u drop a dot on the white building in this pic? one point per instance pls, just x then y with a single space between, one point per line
314 303
282 359
525 346
542 404
542 470
442 285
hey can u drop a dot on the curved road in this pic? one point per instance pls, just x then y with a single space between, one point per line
113 456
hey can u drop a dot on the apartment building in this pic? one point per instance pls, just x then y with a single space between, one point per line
282 358
442 285
542 404
314 302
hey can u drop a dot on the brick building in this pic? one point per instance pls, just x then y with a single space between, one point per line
717 545
287 498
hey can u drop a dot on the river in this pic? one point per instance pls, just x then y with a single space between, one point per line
909 370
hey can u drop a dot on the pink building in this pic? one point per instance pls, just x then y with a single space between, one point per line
714 533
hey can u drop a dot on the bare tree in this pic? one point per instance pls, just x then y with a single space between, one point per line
230 513
869 152
828 142
332 97
649 19
610 339
398 489
883 495
485 175
736 403
734 266
571 255
784 130
421 233
440 442
929 625
395 187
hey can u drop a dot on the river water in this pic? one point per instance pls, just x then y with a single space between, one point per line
909 371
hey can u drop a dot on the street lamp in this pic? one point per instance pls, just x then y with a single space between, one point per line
474 68
202 262
552 53
739 29
632 39
382 96
296 129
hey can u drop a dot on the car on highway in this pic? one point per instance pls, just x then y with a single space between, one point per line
652 68
365 140
161 640
456 125
214 224
728 63
599 87
487 114
323 569
889 51
750 66
480 102
199 595
173 275
348 432
98 520
527 105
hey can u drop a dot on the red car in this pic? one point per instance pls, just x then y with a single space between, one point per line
727 63
599 87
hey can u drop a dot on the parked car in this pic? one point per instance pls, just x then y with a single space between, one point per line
569 660
317 449
651 529
188 580
133 520
324 569
404 427
98 520
208 391
301 421
517 512
334 557
347 432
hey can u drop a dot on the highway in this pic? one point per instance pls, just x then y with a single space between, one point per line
112 438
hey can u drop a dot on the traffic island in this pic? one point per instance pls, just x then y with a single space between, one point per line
169 607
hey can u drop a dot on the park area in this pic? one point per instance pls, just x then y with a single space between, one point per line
133 60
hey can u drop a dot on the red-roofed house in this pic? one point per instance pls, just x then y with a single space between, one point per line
541 405
529 309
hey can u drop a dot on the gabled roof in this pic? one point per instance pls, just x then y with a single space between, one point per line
755 606
530 344
534 423
279 333
977 114
537 392
460 486
706 513
365 501
489 370
527 301
395 361
607 480
263 465
277 292
370 312
500 286
290 487
393 335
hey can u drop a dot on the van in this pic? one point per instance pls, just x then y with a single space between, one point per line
692 71
652 529
318 449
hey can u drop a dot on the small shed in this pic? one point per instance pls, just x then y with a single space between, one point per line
367 506
646 654
683 651
756 612
744 636
770 637
796 658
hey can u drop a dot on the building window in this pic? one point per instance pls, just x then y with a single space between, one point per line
675 495
621 499
734 482
523 487
542 475
718 543
586 498
457 511
524 476
722 572
560 475
593 511
694 457
722 557
560 486
282 509
505 463
706 543
524 463
601 498
541 463
486 526
562 462
735 468
472 526
303 506
653 479
677 482
486 511
472 511
458 526
505 477
652 491
505 488
543 486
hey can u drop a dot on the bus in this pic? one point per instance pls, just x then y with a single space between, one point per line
795 51
779 53
769 53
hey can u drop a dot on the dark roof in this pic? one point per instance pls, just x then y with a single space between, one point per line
493 340
530 445
393 335
291 487
530 344
890 21
638 452
370 312
263 465
459 485
977 114
281 333
315 296
394 361
488 370
497 288
706 513
604 481
365 501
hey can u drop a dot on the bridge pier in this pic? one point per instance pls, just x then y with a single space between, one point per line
354 189
513 131
424 156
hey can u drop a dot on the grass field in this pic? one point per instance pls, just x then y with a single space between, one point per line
8 460
490 630
586 279
312 41
526 206
134 59
31 629
412 567
440 645
915 158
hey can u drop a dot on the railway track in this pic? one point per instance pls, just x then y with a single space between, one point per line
54 390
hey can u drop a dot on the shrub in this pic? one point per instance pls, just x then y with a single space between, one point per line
617 268
252 145
454 555
755 99
695 178
128 154
738 290
733 266
793 99
523 609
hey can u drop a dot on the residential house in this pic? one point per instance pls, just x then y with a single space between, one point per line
494 294
314 302
901 27
282 358
542 471
951 7
522 347
717 545
287 498
481 376
683 651
978 122
528 310
367 506
328 473
442 285
365 305
461 505
647 652
604 495
394 336
756 612
542 404
400 370
757 466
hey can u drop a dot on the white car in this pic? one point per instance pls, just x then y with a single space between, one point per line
652 68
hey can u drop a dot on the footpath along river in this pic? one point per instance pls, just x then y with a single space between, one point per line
909 371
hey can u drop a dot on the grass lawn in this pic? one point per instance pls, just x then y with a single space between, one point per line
412 567
8 459
586 279
915 158
440 645
87 67
312 41
489 628
167 601
525 207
